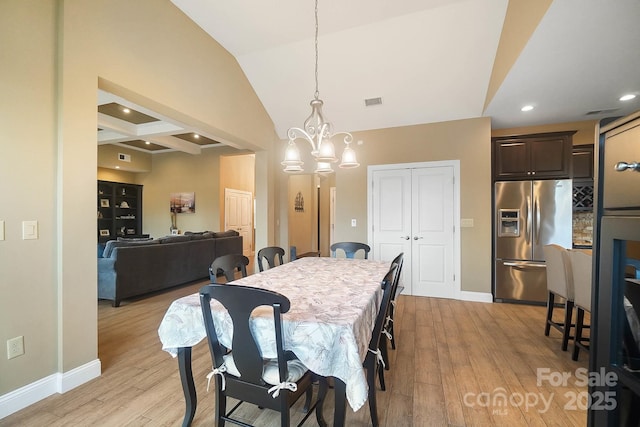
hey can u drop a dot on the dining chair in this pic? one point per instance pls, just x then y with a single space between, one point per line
243 373
388 334
227 265
373 361
350 249
273 254
581 264
559 283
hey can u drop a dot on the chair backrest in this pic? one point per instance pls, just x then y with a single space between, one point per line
581 268
240 302
559 276
271 254
227 264
388 291
350 249
399 260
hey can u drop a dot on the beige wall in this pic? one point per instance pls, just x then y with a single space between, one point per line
29 295
465 140
58 59
108 158
115 175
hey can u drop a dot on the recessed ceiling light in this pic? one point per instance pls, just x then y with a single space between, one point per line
126 110
117 167
627 97
147 142
196 136
527 108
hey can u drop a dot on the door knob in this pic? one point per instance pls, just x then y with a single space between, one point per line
623 166
416 237
405 237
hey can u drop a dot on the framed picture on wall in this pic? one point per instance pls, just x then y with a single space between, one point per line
104 232
104 203
182 202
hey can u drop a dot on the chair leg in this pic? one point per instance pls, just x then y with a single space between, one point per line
578 334
373 407
550 303
322 394
307 401
381 377
221 404
566 333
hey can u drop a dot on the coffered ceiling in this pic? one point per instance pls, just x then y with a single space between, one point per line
428 61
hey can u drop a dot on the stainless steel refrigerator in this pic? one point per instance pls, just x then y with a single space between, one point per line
528 215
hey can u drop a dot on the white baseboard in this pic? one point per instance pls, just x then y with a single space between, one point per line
476 296
56 383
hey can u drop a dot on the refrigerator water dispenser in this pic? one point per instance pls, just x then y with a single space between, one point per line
509 223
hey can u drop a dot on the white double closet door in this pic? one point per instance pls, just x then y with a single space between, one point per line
414 208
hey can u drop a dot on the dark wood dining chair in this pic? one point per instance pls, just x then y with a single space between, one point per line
388 334
350 249
274 255
243 374
373 362
228 265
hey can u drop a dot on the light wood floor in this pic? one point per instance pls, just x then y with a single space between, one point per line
453 363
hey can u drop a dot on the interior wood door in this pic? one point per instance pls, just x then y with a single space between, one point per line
238 215
414 210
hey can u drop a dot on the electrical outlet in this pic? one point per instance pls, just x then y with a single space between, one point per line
15 347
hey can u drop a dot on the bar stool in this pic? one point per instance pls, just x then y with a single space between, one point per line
559 283
581 266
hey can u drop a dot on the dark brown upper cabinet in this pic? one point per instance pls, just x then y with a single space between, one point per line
583 162
538 156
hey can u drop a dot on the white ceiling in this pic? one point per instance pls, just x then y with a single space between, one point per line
429 60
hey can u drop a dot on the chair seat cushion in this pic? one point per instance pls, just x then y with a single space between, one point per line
270 374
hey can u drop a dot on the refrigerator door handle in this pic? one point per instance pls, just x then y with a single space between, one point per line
522 265
528 234
536 207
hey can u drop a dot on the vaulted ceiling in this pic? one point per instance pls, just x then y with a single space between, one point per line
427 60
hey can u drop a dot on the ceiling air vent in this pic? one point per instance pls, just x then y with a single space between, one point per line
372 101
595 112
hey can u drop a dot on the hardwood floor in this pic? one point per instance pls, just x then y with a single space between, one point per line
457 364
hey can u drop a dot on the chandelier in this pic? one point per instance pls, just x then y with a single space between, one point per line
317 132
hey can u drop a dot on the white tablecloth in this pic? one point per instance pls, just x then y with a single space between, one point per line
334 302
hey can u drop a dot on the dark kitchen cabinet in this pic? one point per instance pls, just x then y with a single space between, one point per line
583 162
582 178
614 360
539 156
119 210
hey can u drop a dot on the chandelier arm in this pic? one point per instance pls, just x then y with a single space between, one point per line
298 133
347 138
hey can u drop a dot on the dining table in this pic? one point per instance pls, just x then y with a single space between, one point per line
334 303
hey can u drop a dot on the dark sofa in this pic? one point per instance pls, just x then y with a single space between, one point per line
131 268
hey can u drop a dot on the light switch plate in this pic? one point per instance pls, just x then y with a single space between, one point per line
466 222
29 230
353 222
1 229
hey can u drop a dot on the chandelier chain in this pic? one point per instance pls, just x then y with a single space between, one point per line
317 93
